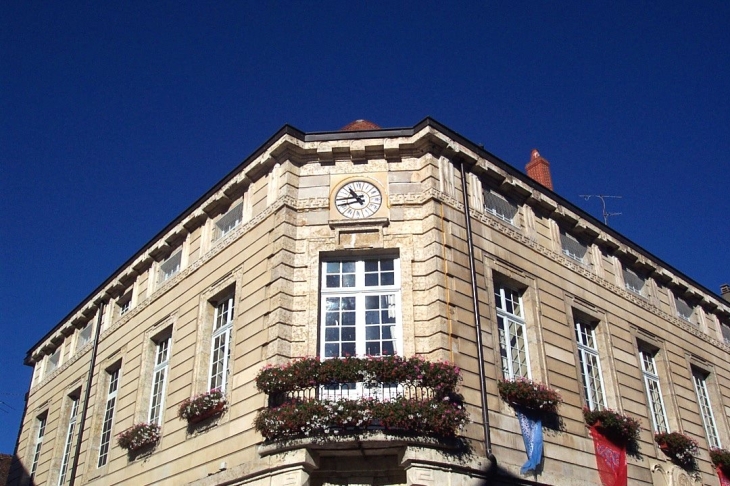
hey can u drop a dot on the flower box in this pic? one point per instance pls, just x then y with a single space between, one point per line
202 406
617 427
680 448
721 459
139 436
529 395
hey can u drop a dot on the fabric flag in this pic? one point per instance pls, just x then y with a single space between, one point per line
724 480
611 460
532 436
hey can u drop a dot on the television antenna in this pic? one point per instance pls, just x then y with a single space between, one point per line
603 198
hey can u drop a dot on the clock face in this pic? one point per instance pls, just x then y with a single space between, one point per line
358 199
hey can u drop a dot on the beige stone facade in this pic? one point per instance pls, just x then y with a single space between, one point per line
261 238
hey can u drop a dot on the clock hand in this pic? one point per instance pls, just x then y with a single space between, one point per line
359 198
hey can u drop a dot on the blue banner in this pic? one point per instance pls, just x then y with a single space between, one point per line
532 436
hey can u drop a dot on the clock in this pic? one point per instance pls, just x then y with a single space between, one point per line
358 199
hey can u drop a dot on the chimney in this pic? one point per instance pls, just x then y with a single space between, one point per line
539 169
725 291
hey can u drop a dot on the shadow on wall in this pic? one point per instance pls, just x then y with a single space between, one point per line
13 473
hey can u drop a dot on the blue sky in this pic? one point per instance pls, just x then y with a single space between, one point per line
117 116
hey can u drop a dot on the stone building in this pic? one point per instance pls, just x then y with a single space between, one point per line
364 241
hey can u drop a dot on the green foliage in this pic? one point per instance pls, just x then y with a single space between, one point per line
680 448
720 458
201 405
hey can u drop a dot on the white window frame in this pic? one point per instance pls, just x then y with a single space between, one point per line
228 221
113 377
54 361
41 421
84 336
628 285
350 299
159 380
679 300
699 378
170 267
652 385
220 344
510 315
589 359
73 412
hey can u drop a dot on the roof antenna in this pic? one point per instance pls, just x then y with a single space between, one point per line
602 197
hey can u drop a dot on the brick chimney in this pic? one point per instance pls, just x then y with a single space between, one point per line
539 169
725 291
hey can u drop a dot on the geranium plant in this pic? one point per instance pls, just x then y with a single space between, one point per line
529 395
619 428
680 448
139 436
202 406
721 459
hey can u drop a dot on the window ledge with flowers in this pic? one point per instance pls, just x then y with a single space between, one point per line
335 397
679 448
529 396
138 437
202 406
721 459
618 428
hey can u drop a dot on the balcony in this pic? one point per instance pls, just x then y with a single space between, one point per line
390 394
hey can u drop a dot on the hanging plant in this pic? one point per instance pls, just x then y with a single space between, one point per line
202 406
529 395
680 448
617 427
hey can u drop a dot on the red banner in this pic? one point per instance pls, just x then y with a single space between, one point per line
724 480
611 460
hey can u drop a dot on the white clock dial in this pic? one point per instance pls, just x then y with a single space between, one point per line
358 199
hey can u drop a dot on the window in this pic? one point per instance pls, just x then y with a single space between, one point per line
653 391
683 308
703 399
170 267
360 308
229 221
512 329
590 365
500 207
572 247
125 303
84 336
53 361
159 380
41 431
106 428
74 409
220 353
725 331
633 281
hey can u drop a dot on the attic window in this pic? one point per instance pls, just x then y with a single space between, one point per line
229 221
572 247
725 331
125 303
170 267
84 336
497 205
684 310
53 361
633 281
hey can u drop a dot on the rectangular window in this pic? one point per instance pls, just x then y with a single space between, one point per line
84 336
40 432
512 330
725 331
684 310
590 365
572 247
229 221
125 303
703 399
159 381
53 361
170 267
500 207
633 281
106 428
360 308
220 353
653 391
74 409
